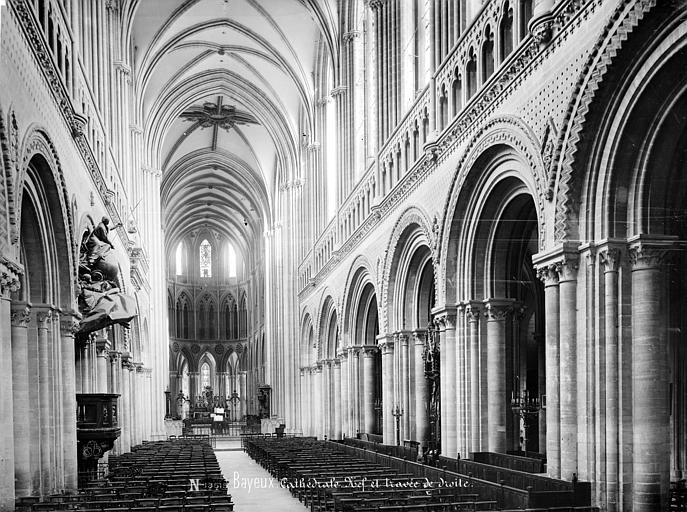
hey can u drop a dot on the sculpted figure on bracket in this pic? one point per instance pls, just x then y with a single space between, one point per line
101 302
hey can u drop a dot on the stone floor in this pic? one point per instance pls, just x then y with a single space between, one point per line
251 487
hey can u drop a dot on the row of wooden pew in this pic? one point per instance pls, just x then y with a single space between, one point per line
174 475
329 476
329 480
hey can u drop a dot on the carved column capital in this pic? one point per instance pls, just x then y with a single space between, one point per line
567 267
385 342
338 91
353 350
548 274
44 316
541 27
342 354
647 252
376 5
153 172
610 257
473 309
445 317
498 309
370 350
127 363
102 347
69 323
558 264
20 314
115 355
419 336
350 36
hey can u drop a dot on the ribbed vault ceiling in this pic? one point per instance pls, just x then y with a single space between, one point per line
222 85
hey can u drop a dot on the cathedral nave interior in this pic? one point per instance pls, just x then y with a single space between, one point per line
436 234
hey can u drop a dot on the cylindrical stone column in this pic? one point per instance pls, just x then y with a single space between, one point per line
125 404
421 389
462 396
68 326
610 258
446 320
9 282
344 402
317 396
303 402
567 289
356 389
21 315
336 398
243 383
326 397
44 321
650 372
497 312
102 364
368 389
549 274
386 345
405 386
472 313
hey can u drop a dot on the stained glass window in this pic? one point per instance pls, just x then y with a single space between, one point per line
205 375
205 259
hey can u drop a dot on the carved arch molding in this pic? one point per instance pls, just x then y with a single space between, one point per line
509 131
413 216
624 21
